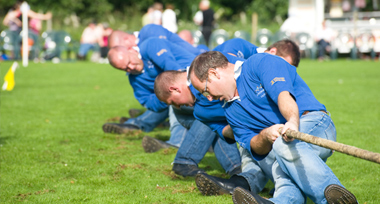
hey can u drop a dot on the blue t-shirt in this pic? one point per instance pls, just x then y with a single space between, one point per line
160 55
153 30
202 48
263 77
143 89
238 47
208 112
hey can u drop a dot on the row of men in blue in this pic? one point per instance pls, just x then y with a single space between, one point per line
156 67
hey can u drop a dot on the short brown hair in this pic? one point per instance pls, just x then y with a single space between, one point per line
163 81
205 61
286 48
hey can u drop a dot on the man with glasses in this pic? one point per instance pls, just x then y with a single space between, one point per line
263 96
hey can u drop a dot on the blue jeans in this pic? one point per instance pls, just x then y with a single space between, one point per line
298 168
198 140
149 120
84 48
257 173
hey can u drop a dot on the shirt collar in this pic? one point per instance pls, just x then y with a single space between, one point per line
136 34
188 82
237 69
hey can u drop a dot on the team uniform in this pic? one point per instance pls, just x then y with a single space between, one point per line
153 30
161 55
295 165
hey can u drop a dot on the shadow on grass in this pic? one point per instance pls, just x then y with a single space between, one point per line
3 139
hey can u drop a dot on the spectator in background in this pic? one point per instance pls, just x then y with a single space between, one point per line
323 37
104 48
148 16
90 39
169 19
205 18
13 19
35 25
157 13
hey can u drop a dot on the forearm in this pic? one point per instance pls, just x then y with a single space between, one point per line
260 144
288 108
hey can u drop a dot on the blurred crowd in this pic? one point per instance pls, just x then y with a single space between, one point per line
324 43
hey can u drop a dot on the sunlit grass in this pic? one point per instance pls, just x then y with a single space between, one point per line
53 149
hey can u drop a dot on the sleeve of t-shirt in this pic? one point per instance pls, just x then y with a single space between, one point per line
217 127
160 54
154 104
274 75
244 140
145 97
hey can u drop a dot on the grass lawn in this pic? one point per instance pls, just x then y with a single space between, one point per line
53 149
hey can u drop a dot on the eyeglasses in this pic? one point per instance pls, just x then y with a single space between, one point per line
206 93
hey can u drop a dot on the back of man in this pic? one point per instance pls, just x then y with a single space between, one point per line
152 30
162 55
237 47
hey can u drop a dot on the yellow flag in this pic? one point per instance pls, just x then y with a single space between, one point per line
9 78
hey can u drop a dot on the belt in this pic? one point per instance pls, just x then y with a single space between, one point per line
306 112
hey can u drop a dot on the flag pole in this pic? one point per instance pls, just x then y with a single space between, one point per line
25 44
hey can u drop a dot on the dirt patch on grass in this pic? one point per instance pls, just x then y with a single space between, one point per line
187 189
23 196
114 119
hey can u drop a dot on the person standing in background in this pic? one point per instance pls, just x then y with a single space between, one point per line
14 17
157 13
323 37
104 48
169 19
148 16
205 18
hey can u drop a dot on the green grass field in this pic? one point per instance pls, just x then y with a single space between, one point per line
53 149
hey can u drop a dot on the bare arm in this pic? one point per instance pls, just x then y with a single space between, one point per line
289 110
11 17
40 16
261 144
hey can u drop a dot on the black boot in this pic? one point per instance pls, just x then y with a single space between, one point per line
211 185
118 128
123 119
151 144
186 169
244 196
235 171
338 194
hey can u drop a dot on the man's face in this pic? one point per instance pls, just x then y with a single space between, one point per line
178 98
218 86
130 62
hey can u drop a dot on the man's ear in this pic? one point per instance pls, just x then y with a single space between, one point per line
273 51
174 89
213 72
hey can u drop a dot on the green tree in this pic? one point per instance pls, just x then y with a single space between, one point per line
267 10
